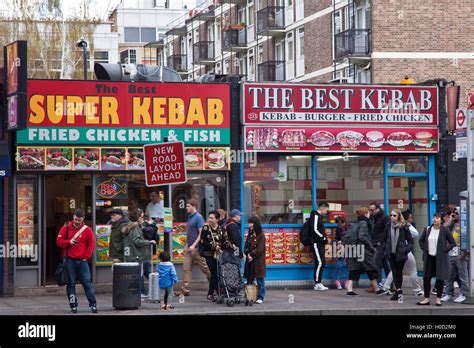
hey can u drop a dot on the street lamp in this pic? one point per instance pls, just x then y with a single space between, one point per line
81 43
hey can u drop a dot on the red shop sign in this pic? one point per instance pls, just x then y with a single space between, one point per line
164 164
339 104
340 139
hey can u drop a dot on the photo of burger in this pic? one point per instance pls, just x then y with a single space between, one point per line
193 158
424 139
322 139
215 158
374 139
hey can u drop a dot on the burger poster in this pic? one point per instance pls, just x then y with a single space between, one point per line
341 139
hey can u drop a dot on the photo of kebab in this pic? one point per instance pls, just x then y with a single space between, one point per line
59 158
86 159
263 138
322 139
293 138
399 139
30 158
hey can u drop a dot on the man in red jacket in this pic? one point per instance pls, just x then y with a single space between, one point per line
77 241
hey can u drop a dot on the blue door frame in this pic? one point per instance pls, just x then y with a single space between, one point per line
305 272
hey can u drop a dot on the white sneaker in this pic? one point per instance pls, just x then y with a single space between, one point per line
446 298
320 287
460 299
456 285
259 301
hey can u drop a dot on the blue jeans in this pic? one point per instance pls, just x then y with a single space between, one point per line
81 268
261 288
146 269
340 265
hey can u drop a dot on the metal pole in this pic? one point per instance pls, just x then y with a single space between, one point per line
470 198
84 50
166 236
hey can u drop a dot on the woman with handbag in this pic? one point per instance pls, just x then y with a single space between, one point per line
255 263
209 246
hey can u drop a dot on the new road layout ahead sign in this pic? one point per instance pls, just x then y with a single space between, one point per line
164 164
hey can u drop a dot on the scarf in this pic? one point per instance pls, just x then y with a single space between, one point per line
394 234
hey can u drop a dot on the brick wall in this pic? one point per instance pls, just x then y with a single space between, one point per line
313 6
318 43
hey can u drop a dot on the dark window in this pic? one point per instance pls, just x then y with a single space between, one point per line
132 35
148 35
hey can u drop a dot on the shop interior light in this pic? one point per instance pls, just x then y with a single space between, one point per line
332 158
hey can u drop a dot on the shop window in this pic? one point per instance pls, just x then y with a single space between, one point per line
208 189
348 183
398 165
278 189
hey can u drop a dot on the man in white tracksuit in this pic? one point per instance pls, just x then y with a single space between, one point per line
410 265
318 245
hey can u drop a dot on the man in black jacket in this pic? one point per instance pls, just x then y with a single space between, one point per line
379 223
316 226
233 233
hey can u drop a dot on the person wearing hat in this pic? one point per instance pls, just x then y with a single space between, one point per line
118 220
232 235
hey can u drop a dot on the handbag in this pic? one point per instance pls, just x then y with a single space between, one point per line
251 292
61 270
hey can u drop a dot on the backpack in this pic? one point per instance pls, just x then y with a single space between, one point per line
352 234
305 234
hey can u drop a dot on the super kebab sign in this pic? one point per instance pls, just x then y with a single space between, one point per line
96 112
334 118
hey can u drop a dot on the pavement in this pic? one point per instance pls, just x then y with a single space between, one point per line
277 302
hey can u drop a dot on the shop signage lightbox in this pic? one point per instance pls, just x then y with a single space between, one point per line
125 113
340 118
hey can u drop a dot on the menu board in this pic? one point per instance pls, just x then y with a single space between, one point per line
178 241
112 158
102 233
338 139
26 214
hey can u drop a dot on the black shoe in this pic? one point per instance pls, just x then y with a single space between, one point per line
438 305
396 295
74 310
94 309
380 292
423 304
351 293
209 298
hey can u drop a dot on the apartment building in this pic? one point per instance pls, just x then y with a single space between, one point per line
343 41
142 24
264 40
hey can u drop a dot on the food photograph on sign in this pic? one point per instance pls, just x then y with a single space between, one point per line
194 158
135 159
30 158
113 158
215 158
58 158
86 158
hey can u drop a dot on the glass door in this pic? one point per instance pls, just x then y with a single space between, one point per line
410 193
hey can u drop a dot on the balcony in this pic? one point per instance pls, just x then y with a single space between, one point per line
272 70
204 53
271 21
235 2
177 31
354 43
234 39
178 62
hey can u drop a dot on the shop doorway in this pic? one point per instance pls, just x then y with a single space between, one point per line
411 193
63 194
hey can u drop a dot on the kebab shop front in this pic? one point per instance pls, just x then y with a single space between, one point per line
347 145
85 150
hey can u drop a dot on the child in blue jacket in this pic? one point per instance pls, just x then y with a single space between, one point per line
167 278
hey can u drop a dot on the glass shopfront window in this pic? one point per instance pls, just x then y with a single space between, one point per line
278 188
350 183
407 165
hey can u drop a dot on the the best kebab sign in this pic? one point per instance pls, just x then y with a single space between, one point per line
335 118
164 164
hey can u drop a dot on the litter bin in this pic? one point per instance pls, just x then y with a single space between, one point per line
126 285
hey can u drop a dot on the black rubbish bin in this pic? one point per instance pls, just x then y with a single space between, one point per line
126 285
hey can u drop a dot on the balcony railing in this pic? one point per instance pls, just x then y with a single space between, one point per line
272 70
234 38
353 42
178 62
269 19
203 52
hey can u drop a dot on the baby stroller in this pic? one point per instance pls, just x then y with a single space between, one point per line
230 283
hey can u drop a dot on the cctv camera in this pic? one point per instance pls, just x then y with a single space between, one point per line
81 42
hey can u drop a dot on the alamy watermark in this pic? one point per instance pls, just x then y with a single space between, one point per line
14 251
346 251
